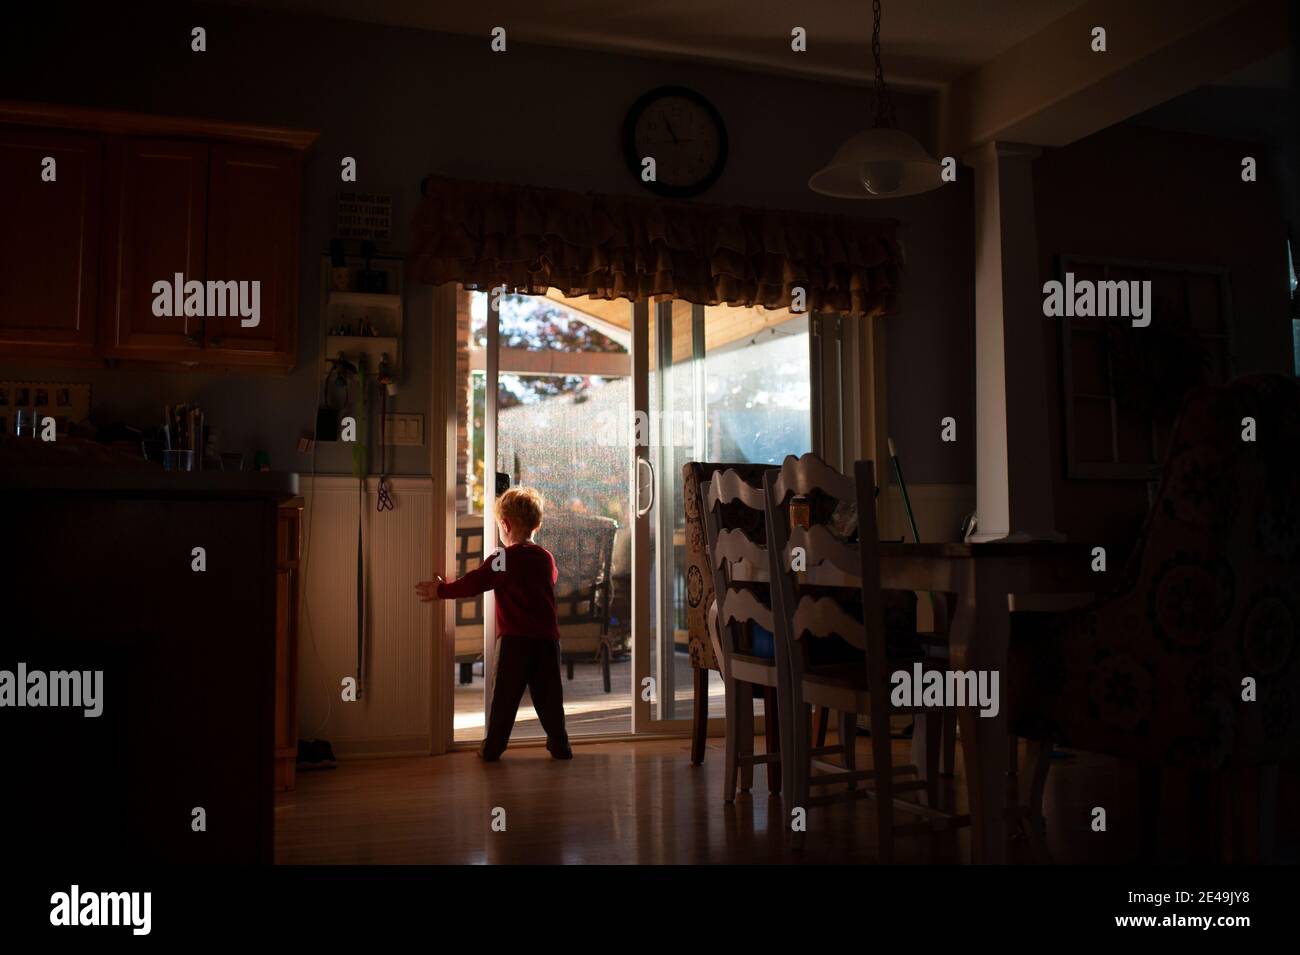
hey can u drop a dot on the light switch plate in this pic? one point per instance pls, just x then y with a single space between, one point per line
404 429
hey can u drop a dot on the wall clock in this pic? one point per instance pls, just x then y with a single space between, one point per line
685 135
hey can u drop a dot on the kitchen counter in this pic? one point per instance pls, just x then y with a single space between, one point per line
277 485
83 466
165 583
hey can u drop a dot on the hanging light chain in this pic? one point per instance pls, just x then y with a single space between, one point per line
884 103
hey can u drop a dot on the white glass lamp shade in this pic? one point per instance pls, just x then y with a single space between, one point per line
877 164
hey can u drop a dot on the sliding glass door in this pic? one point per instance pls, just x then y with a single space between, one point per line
726 385
598 405
547 408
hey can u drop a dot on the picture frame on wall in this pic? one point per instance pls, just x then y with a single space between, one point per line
1120 386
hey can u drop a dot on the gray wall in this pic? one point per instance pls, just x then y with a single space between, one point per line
1148 201
406 103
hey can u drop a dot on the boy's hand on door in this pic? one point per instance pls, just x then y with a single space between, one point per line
427 590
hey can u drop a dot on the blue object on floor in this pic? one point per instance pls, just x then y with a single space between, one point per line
763 646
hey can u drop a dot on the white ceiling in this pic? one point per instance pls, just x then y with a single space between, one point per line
923 42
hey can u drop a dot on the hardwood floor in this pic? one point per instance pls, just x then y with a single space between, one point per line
588 709
635 803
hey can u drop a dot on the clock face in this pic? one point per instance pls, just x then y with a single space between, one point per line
684 135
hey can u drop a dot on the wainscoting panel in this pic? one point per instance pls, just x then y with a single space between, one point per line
392 714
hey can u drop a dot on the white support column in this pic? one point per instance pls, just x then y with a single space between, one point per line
1013 462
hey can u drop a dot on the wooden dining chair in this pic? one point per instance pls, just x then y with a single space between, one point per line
833 649
737 553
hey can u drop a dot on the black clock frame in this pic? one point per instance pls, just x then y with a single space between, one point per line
633 158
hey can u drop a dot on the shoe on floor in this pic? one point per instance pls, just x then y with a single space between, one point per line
485 758
559 750
315 754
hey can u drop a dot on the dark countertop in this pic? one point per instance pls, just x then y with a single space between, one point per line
226 484
75 466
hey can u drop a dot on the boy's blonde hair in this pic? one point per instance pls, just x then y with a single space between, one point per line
522 507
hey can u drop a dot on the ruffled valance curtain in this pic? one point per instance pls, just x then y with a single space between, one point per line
531 239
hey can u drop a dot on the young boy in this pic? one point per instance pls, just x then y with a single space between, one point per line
528 635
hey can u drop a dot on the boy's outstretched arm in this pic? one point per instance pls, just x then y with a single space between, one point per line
481 578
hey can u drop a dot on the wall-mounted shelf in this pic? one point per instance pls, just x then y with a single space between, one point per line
365 299
346 309
374 348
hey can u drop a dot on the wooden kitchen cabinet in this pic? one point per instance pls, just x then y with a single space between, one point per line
49 243
157 228
253 236
137 200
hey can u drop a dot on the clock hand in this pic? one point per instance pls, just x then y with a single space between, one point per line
670 130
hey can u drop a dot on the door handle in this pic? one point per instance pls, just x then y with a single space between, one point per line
643 511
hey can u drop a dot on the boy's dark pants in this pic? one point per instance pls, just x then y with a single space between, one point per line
525 662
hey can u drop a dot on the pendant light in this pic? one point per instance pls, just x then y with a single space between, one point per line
882 162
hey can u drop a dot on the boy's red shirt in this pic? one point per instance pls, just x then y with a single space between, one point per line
525 591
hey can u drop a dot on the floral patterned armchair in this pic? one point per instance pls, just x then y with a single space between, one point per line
1211 597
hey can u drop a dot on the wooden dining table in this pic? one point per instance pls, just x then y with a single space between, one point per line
988 581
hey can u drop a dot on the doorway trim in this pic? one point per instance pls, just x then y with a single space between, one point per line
442 466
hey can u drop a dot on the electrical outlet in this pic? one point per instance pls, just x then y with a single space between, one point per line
404 429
